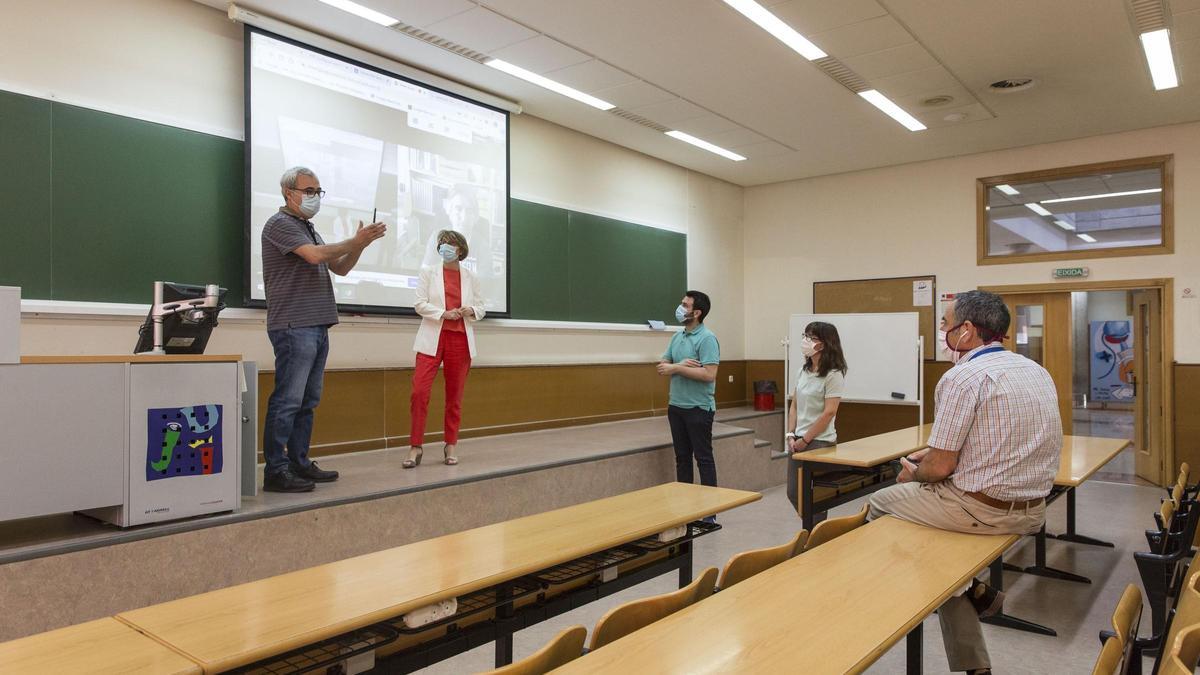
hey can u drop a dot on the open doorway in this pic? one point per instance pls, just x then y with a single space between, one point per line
1103 390
1107 346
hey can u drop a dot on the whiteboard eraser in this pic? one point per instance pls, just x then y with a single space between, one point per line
656 325
898 396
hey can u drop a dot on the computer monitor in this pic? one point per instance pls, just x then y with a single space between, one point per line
185 331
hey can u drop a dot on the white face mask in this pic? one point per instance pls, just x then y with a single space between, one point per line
310 205
808 347
449 253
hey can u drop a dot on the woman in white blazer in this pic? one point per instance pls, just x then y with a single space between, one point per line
449 302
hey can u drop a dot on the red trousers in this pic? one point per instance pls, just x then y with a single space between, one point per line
455 358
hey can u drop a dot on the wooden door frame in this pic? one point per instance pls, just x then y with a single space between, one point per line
1166 289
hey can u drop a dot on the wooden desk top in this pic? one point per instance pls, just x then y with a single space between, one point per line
135 358
101 646
872 450
834 609
1083 456
238 625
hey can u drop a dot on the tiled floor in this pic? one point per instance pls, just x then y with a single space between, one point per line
1116 512
1109 424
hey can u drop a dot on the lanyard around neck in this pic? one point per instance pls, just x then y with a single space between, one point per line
989 350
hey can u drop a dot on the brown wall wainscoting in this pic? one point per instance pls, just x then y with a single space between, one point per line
367 409
1187 418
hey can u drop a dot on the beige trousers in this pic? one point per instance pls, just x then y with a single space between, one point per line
944 506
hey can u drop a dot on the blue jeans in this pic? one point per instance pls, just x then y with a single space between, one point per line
299 377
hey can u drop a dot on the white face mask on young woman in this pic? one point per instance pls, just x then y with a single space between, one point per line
808 347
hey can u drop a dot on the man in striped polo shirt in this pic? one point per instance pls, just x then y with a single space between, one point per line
300 309
991 461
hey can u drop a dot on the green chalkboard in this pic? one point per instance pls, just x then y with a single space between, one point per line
99 206
103 205
572 266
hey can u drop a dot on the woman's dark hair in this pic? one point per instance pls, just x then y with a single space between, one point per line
831 354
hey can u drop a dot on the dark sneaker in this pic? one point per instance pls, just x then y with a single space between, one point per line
316 474
286 481
987 600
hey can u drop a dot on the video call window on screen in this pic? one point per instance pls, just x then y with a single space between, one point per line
1077 212
421 159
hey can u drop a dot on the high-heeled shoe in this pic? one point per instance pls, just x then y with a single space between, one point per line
411 462
448 459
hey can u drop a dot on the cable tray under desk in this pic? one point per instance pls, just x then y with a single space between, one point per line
597 562
474 603
324 654
697 528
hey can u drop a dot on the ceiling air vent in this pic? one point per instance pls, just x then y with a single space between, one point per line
1148 15
1012 85
439 41
937 101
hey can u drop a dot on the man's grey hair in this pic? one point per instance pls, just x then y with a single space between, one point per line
289 178
986 311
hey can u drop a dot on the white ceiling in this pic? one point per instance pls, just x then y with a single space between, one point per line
698 66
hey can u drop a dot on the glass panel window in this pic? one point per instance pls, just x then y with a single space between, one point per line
1077 212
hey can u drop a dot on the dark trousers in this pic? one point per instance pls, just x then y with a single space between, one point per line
300 355
691 434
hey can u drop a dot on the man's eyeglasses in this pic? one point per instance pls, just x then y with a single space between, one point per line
311 192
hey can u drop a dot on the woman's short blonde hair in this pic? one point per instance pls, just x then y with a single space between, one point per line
456 240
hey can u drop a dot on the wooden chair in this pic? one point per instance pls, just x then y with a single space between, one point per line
623 620
748 563
1185 651
561 650
1121 645
1186 615
828 530
1109 662
1128 613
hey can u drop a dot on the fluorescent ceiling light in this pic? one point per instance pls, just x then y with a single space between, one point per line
1087 237
557 87
1064 225
364 12
1007 189
1157 45
772 24
892 110
1102 196
688 138
1038 209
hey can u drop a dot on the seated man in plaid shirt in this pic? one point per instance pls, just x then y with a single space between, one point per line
991 460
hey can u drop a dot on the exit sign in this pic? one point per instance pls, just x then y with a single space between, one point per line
1070 272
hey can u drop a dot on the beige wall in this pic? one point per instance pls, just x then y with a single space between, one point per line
920 219
180 63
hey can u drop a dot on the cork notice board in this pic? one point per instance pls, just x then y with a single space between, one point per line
899 294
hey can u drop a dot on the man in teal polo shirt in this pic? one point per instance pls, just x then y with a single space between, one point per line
691 360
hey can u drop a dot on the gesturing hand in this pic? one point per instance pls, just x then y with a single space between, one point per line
368 233
692 363
665 368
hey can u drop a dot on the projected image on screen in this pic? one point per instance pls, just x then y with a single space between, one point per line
424 160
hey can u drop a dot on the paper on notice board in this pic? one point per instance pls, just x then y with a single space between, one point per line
922 294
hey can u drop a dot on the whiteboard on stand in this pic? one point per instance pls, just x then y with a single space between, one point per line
882 353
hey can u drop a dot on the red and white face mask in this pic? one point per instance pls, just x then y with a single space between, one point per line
953 348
